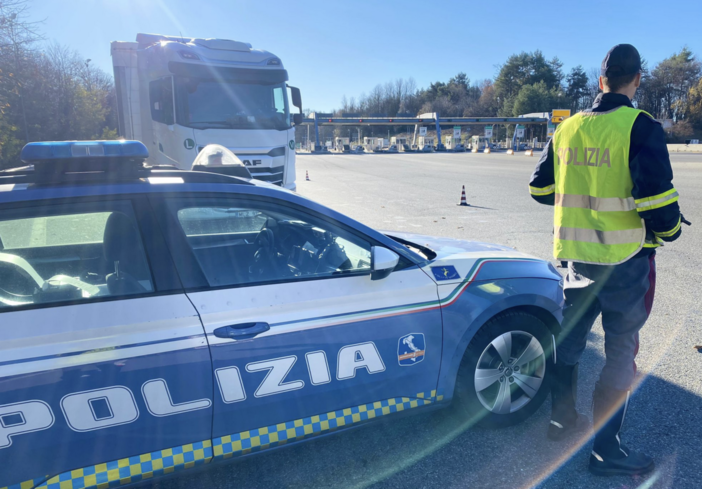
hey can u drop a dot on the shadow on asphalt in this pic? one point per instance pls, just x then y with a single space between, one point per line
479 207
441 449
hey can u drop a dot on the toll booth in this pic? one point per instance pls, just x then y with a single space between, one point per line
339 143
373 144
426 144
400 142
479 142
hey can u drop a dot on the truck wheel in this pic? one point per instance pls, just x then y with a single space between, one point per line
503 377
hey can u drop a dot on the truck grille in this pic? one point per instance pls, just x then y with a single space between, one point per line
271 175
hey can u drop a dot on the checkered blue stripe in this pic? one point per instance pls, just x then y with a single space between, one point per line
133 469
148 465
280 434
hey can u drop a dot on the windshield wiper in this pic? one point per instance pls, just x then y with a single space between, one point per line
226 124
428 253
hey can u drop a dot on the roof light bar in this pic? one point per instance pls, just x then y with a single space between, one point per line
79 150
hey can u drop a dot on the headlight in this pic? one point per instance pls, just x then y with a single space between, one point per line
187 55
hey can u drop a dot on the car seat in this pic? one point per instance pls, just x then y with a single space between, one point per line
122 248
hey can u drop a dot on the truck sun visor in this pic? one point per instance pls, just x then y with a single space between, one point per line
241 75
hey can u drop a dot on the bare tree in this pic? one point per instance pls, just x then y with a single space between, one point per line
593 84
16 36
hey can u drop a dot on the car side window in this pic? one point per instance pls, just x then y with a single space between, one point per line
237 244
70 252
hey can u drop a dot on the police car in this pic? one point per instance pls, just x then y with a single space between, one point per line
154 320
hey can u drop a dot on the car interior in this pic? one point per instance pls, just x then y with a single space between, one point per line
42 272
235 246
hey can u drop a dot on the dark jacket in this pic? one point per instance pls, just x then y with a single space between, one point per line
649 165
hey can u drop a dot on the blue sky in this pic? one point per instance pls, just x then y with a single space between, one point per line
331 48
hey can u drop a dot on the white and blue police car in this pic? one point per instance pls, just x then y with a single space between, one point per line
153 320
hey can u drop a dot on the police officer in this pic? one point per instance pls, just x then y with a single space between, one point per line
608 175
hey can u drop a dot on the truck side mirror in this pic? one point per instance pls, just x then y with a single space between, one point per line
296 97
297 119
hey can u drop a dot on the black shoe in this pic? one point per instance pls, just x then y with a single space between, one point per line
609 456
565 420
559 432
633 463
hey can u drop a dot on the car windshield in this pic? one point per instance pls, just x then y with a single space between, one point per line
208 104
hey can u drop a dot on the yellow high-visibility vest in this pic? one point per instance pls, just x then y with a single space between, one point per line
595 216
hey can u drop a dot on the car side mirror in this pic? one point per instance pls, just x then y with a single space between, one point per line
297 119
383 262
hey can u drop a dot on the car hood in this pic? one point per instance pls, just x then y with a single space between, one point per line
459 261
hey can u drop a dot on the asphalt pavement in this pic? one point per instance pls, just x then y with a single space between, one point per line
419 193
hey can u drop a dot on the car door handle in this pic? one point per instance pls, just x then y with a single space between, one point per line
241 331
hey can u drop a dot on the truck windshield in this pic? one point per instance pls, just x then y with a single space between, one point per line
207 103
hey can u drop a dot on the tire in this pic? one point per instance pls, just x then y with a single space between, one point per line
481 386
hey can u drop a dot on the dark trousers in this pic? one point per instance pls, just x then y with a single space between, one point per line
623 294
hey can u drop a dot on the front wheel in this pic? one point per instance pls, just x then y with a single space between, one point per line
503 377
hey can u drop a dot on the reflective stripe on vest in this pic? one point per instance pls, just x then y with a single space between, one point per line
602 237
602 204
596 219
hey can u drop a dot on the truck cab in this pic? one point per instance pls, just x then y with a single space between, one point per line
178 95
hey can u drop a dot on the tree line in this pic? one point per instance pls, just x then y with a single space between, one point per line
48 92
529 82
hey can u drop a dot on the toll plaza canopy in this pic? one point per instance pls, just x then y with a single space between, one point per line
329 119
317 119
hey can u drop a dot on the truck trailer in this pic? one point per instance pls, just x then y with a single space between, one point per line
177 95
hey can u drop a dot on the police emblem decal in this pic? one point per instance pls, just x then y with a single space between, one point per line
411 349
447 272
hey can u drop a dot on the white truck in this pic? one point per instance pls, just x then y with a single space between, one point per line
177 95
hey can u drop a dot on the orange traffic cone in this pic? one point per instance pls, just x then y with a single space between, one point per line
464 202
307 175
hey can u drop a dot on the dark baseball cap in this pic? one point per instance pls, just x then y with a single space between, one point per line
622 59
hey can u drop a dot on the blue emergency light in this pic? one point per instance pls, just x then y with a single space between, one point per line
56 151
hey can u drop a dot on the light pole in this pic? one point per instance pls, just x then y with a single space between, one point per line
87 74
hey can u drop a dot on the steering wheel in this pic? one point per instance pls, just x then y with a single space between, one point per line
333 259
265 263
21 278
26 282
